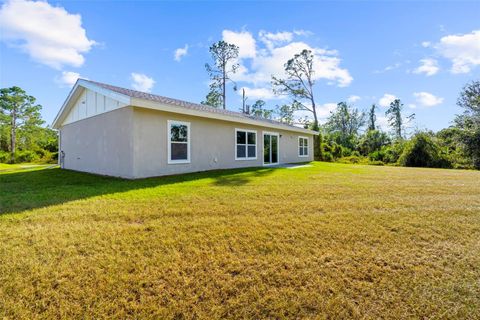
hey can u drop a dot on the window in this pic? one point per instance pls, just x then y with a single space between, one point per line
245 144
178 142
302 146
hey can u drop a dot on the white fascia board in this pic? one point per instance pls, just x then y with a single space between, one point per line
106 92
55 123
136 102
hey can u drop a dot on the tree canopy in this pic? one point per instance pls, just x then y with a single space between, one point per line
299 83
468 122
21 127
224 57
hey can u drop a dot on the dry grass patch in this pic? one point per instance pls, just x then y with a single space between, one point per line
327 241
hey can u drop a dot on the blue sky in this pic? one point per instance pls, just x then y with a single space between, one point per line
367 52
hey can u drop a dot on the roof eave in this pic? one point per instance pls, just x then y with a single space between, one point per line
138 102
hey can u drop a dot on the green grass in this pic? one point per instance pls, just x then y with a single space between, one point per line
22 166
326 241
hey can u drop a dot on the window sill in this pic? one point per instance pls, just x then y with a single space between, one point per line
244 159
178 161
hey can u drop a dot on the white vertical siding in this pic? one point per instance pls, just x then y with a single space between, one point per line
90 104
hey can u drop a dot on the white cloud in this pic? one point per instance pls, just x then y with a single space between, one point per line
50 35
389 68
412 106
257 65
353 99
428 66
326 65
382 122
427 99
386 99
142 82
272 39
68 78
261 58
243 40
324 110
463 50
303 33
426 44
257 93
180 52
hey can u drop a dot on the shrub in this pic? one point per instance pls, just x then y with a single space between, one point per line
392 152
346 152
422 151
337 151
25 156
41 153
318 147
350 159
326 147
376 163
327 156
4 157
373 141
378 155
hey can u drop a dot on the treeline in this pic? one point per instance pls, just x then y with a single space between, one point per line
354 137
350 135
23 136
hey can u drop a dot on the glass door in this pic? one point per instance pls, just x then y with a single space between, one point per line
270 148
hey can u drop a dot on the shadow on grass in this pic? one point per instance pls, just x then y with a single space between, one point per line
22 190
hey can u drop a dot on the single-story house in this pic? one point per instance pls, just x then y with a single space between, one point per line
114 131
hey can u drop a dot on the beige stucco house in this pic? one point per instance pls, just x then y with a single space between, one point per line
115 131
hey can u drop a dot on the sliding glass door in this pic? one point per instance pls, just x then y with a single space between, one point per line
270 148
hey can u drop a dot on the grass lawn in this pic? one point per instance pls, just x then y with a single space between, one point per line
326 241
20 166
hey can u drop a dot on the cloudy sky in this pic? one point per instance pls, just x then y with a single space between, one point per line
365 52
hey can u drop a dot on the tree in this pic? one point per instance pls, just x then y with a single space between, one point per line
244 102
422 151
395 118
373 140
224 56
213 98
19 112
344 123
469 98
286 113
372 118
469 121
258 110
299 83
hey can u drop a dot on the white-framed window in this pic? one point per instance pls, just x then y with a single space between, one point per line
302 146
178 142
245 144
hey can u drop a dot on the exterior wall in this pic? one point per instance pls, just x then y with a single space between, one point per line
212 144
89 104
101 144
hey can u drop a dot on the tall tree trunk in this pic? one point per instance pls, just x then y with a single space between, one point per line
315 119
223 87
13 135
243 100
314 111
314 107
399 125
